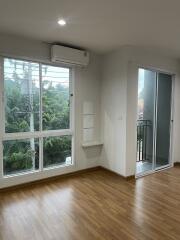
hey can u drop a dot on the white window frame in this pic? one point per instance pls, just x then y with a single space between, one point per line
36 134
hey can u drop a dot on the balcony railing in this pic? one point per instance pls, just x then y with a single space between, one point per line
142 135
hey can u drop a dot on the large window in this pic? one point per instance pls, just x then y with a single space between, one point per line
37 116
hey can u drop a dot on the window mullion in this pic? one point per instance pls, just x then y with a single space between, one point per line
2 127
40 97
26 135
40 118
71 98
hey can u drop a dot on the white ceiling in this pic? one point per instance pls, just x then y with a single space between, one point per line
98 25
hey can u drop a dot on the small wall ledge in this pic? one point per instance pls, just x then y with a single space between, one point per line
91 144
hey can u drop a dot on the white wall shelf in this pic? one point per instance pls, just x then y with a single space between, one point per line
91 144
90 136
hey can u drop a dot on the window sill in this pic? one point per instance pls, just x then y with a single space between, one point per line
21 174
57 166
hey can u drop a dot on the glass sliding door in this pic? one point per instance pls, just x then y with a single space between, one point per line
153 121
145 120
163 124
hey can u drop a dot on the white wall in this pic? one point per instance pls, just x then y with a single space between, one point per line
119 104
86 88
113 110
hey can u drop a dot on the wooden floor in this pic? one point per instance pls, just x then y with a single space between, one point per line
97 205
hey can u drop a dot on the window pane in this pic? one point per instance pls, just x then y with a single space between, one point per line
20 155
57 150
56 109
21 84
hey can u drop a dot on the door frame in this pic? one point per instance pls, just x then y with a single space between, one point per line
170 164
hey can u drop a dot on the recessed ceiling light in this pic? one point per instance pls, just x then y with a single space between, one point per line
61 22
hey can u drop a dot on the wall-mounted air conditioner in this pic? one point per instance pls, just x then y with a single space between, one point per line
69 55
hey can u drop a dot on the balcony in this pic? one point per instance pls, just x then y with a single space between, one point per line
142 138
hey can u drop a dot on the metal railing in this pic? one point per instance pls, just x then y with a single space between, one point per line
142 135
